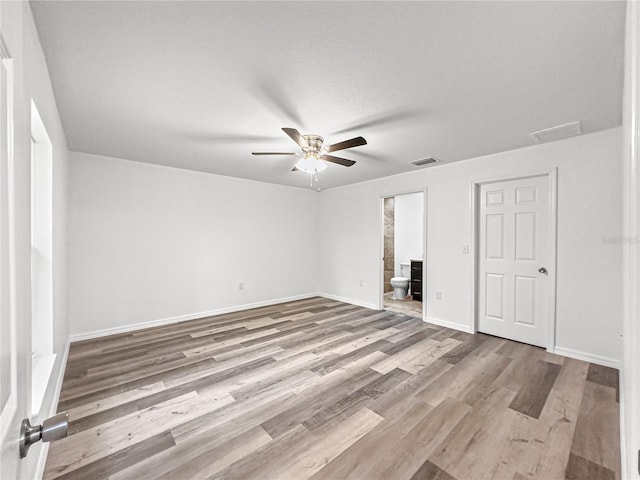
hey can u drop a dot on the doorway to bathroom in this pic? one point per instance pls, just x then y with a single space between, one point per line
403 245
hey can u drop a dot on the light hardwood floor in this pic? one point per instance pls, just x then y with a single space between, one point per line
325 390
408 306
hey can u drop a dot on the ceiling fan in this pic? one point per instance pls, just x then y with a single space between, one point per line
315 155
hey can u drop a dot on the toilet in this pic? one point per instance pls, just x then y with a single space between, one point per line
401 284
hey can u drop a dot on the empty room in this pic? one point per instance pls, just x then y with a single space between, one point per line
319 240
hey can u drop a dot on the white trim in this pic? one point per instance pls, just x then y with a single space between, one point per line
41 371
587 357
44 451
448 324
76 337
58 387
553 260
629 376
42 460
552 175
380 282
513 176
473 257
330 296
425 244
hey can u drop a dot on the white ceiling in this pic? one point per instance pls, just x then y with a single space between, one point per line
200 85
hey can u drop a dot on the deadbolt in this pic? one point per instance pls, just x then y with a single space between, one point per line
543 270
53 428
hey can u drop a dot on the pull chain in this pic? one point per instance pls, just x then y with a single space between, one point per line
313 178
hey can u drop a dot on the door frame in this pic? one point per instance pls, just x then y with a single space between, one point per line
630 371
425 203
552 175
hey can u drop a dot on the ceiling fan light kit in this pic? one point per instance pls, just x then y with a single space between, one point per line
310 163
315 155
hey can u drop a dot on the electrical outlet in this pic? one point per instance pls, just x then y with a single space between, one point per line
241 286
465 249
438 295
361 283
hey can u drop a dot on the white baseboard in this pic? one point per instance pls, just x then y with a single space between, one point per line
448 324
76 337
44 451
330 296
587 357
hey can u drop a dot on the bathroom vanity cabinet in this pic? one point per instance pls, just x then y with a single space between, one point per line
416 280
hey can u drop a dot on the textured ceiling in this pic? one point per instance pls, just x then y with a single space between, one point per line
200 85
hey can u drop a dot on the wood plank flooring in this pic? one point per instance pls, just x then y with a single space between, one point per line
407 305
318 389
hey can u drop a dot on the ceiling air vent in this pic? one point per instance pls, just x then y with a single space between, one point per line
557 133
424 161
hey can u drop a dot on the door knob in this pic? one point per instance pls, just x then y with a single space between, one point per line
543 270
53 428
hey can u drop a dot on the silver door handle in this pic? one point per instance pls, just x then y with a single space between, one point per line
52 429
543 270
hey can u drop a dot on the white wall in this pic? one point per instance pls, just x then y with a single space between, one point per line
148 243
31 81
589 302
407 226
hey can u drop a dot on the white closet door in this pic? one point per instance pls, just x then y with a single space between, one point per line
514 251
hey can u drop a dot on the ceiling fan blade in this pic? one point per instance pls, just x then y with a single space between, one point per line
338 160
272 153
296 137
354 142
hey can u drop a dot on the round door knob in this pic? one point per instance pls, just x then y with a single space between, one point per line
542 270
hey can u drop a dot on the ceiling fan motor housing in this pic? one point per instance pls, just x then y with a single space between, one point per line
314 142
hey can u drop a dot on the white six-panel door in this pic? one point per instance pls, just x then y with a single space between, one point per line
514 254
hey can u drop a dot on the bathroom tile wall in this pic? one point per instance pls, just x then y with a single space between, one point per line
388 243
